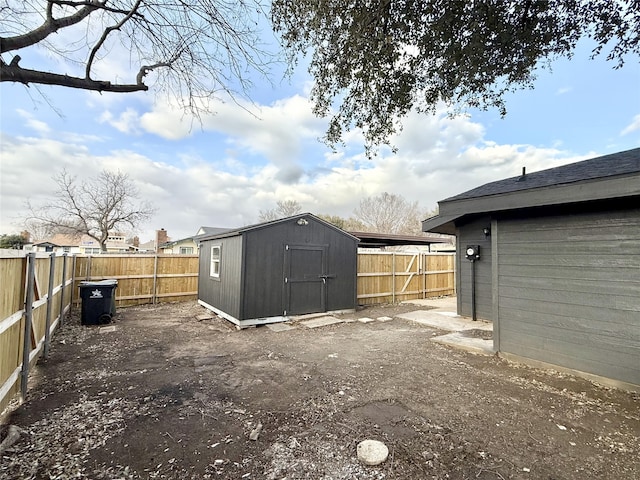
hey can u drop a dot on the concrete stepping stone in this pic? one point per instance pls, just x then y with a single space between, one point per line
372 452
321 322
279 327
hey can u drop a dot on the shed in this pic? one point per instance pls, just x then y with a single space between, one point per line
267 272
558 271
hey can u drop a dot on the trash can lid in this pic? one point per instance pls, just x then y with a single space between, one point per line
99 283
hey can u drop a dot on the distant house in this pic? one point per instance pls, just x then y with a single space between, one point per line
189 245
185 246
81 244
558 263
266 272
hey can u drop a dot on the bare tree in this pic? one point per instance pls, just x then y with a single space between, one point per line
284 208
195 48
389 213
97 207
349 224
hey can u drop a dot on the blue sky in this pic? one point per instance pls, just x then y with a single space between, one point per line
223 172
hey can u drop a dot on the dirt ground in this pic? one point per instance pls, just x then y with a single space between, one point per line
168 396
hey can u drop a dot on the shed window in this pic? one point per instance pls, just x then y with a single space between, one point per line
186 250
215 261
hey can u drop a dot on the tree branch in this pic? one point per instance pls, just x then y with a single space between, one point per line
50 25
105 34
15 73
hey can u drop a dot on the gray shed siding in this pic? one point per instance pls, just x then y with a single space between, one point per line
568 291
223 293
472 234
264 260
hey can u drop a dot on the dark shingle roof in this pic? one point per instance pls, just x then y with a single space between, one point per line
620 163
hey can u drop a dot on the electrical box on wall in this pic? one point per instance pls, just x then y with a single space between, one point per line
472 252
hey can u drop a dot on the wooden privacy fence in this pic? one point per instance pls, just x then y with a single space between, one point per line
143 278
37 290
390 277
35 295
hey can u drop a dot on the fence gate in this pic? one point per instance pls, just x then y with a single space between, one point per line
390 277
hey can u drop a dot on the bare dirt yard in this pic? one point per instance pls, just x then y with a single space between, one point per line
169 396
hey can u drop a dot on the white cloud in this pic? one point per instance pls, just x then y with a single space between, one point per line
127 122
563 90
438 157
632 127
39 126
277 132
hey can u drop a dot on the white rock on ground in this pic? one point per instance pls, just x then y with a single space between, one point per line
372 452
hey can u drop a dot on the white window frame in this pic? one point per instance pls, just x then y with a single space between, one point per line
185 252
214 268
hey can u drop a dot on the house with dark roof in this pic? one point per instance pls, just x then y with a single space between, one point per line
189 245
552 258
266 272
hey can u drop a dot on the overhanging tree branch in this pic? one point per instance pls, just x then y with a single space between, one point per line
14 73
197 49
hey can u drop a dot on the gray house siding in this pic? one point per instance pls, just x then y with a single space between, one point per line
472 234
568 291
223 293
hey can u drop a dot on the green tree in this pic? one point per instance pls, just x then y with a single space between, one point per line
377 60
15 242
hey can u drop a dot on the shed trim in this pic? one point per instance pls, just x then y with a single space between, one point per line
257 226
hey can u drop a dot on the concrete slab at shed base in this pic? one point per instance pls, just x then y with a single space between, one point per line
252 322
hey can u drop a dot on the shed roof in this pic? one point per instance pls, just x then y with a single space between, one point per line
602 178
241 230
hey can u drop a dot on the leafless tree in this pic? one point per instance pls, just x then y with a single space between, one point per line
389 213
96 207
284 208
195 49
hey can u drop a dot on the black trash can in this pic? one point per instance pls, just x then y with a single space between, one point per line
98 302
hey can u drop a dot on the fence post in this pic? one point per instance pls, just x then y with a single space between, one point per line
393 277
155 280
64 282
424 265
73 282
47 334
28 316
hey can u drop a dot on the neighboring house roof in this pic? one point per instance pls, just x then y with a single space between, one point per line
173 243
240 231
60 240
81 241
607 177
368 239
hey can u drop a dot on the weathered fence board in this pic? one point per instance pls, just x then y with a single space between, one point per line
31 307
142 278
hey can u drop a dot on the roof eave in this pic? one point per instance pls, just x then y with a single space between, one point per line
584 191
441 224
